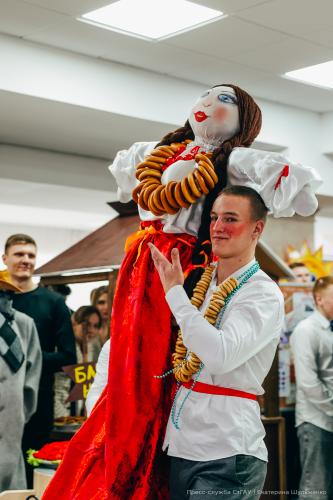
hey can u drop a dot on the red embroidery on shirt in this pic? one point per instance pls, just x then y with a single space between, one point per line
189 156
284 173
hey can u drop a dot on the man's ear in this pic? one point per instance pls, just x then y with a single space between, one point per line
4 258
259 227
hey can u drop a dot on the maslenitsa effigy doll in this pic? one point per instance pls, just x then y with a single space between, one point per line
117 454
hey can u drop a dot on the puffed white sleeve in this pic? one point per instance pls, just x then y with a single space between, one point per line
101 377
286 187
123 168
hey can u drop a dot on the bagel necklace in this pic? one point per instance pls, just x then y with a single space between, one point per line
185 363
150 194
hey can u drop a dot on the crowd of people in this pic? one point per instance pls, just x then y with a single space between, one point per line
44 335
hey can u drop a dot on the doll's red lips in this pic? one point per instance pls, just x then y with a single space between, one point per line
200 116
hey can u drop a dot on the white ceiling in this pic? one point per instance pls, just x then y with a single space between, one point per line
57 126
253 46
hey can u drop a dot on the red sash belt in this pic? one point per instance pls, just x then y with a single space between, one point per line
222 391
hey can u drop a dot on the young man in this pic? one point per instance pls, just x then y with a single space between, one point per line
312 345
301 272
219 447
20 367
55 332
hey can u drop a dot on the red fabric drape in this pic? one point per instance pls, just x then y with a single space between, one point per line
117 452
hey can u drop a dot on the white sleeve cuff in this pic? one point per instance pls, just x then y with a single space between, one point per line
177 298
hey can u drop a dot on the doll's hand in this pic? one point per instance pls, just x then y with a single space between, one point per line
171 273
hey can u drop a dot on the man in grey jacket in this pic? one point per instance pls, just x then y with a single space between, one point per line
20 367
312 345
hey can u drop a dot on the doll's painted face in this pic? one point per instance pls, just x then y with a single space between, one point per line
214 117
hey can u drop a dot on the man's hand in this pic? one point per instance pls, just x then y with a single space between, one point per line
171 273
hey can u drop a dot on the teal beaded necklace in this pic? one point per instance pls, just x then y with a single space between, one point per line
242 279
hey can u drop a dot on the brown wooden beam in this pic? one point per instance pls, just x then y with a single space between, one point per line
78 278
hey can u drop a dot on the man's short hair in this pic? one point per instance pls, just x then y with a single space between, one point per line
258 207
293 265
321 284
19 239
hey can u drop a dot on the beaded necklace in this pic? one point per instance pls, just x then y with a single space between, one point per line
240 282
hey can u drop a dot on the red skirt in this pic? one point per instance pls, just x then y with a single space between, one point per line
117 454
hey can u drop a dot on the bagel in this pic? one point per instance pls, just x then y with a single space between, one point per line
149 172
139 171
153 164
200 288
205 280
146 163
210 169
169 192
194 366
177 359
155 159
177 145
153 181
142 203
217 300
186 371
160 153
199 179
228 287
193 186
180 197
181 377
181 353
208 179
194 360
223 293
153 208
147 192
199 156
187 192
214 307
136 192
167 149
167 206
157 199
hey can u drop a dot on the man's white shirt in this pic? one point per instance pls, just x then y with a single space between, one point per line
238 356
312 347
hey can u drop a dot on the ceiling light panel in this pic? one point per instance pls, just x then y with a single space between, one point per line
151 19
320 75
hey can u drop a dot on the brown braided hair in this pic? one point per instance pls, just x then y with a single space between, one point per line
250 125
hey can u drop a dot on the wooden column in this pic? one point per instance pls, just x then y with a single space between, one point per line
271 387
